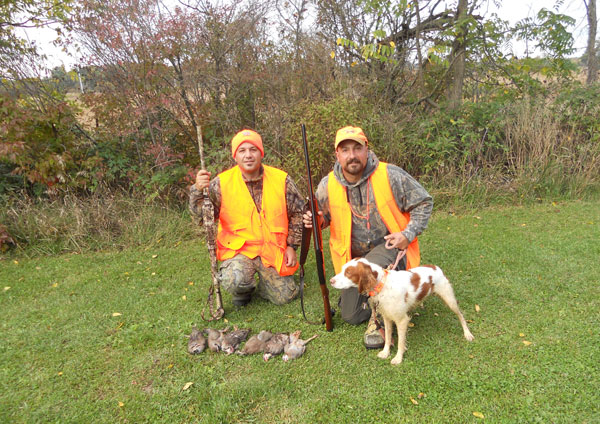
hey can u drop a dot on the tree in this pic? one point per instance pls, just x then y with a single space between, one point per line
25 14
592 59
457 57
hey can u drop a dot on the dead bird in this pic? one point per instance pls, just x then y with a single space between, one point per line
296 347
275 345
231 341
215 338
197 342
256 343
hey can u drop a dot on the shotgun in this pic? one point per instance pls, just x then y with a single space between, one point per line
214 300
317 237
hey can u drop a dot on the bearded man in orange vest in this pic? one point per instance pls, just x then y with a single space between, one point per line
374 210
259 211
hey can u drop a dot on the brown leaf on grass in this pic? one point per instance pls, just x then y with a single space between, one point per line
121 404
6 288
187 385
421 395
478 414
116 314
411 324
521 335
477 308
414 401
526 343
154 256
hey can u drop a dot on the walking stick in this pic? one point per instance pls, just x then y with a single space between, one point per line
214 301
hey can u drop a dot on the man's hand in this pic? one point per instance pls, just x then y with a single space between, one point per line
396 241
202 179
307 219
290 257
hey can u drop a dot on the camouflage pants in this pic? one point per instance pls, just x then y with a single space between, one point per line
353 305
237 276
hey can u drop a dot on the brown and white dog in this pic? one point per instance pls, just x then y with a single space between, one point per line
395 293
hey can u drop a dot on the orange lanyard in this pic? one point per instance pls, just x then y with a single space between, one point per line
361 216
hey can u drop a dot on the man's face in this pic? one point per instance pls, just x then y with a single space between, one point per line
248 158
352 156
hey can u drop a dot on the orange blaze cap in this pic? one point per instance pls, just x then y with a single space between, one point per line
247 136
351 133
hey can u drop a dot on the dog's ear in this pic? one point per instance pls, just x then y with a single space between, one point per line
368 277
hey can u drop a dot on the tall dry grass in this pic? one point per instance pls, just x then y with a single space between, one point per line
546 157
108 221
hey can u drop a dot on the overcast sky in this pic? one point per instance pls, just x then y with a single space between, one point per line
510 10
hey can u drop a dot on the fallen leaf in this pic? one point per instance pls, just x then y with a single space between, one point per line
154 273
55 285
523 225
411 324
421 395
477 308
38 268
187 385
184 297
138 262
290 316
477 217
190 283
16 262
225 320
435 314
478 414
116 314
6 288
121 404
526 343
60 373
521 335
170 366
414 401
154 256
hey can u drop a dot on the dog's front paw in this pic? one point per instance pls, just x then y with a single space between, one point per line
397 360
383 354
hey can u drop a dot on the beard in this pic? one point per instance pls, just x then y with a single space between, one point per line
354 167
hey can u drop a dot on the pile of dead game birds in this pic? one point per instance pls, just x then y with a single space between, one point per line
265 342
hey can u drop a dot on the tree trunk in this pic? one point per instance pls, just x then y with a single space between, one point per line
457 58
592 59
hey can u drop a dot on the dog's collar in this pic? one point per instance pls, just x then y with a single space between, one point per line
379 286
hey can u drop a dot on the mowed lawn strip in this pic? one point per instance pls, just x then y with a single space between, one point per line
101 337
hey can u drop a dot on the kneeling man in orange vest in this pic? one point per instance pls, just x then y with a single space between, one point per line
259 211
374 210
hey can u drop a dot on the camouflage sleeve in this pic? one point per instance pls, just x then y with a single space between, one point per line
322 196
196 198
295 207
410 197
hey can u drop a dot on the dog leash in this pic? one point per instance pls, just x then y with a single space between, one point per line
401 254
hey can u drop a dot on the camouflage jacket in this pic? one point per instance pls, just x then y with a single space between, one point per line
295 204
410 197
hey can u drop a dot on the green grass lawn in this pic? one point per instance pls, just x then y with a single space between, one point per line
101 337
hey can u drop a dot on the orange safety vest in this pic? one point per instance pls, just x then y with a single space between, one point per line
243 230
341 217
